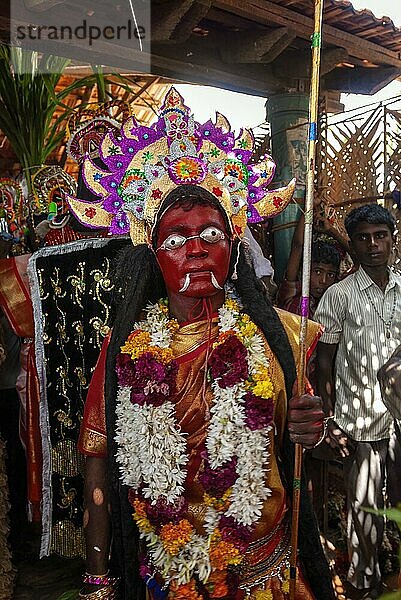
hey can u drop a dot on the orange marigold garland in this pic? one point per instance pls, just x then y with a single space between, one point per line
217 584
186 591
223 554
174 537
153 457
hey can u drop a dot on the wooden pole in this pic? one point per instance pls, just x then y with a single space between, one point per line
310 177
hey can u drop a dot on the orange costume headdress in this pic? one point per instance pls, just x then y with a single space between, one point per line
143 164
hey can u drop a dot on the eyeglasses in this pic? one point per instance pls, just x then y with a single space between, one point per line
211 235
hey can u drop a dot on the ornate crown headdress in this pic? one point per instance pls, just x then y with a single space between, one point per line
12 209
143 164
88 125
50 185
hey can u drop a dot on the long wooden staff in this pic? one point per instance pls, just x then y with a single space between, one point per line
310 176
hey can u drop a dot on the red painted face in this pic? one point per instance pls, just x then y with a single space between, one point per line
198 268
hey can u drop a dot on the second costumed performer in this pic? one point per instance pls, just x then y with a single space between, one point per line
191 417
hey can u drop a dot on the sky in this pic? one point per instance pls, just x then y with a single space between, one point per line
249 111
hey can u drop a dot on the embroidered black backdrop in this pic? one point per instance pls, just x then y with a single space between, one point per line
71 293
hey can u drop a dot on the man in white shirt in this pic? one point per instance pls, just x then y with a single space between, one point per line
362 319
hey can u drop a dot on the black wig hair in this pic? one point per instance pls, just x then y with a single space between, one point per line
326 253
138 281
369 213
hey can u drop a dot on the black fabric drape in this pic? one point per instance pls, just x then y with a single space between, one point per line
71 295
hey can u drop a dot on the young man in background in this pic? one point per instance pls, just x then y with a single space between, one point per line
362 319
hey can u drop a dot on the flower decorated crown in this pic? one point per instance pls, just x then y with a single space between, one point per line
143 164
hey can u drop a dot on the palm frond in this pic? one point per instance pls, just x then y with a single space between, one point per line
26 104
29 101
100 82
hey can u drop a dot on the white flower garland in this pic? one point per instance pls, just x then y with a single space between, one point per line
249 491
156 323
227 420
152 450
192 559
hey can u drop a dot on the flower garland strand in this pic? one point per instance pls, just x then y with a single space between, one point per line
153 458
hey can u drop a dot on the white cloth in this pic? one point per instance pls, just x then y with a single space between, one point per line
349 311
261 264
370 473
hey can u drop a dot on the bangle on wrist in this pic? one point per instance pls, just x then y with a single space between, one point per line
107 591
95 575
104 593
104 580
326 422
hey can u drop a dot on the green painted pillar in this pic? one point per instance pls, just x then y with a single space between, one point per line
288 116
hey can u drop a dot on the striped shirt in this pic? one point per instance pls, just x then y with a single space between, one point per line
366 325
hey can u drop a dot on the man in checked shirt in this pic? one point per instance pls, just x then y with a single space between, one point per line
362 319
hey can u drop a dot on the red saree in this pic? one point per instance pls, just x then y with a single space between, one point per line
263 573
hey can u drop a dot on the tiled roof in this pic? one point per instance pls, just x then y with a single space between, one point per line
362 23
